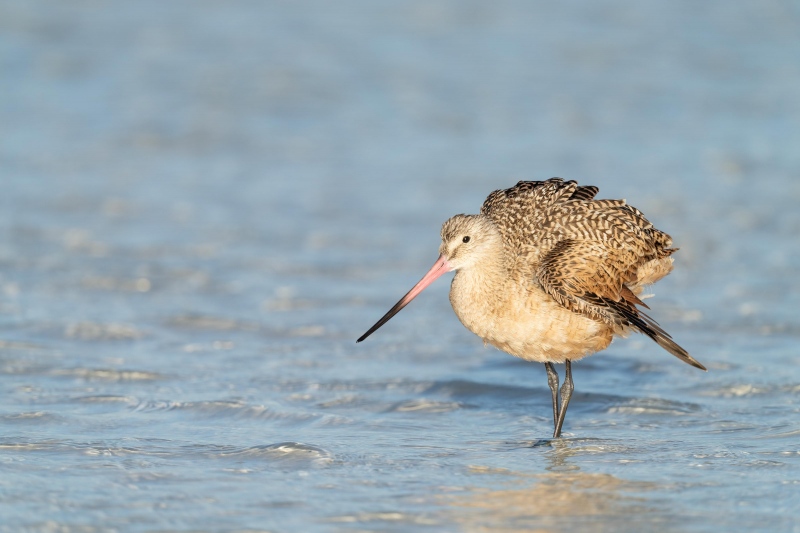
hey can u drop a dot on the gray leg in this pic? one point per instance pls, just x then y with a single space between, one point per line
552 380
566 394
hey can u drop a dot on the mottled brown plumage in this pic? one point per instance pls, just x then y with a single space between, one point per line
547 273
592 256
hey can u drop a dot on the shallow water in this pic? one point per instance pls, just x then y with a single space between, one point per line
204 205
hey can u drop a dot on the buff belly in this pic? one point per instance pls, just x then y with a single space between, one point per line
541 330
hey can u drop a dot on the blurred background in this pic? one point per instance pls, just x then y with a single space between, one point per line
204 204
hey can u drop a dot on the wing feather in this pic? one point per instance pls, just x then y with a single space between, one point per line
585 253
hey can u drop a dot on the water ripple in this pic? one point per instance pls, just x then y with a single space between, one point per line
92 331
226 409
743 390
33 417
210 323
390 517
654 406
425 406
289 450
106 374
106 399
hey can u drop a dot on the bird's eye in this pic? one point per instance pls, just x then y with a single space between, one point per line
465 239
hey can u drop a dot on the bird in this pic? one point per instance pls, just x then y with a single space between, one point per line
549 274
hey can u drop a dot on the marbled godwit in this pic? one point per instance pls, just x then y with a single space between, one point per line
549 274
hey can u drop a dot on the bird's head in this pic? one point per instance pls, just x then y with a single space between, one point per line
468 239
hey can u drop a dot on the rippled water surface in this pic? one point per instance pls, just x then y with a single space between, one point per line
204 204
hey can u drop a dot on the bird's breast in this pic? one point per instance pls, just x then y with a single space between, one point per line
524 321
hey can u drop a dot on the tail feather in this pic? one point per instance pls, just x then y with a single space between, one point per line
672 347
650 327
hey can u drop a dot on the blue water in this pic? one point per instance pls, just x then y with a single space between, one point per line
204 204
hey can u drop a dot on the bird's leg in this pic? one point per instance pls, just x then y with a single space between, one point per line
566 394
552 380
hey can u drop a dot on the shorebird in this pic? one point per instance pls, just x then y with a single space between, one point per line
549 274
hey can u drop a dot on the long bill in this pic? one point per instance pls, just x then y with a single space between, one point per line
441 266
